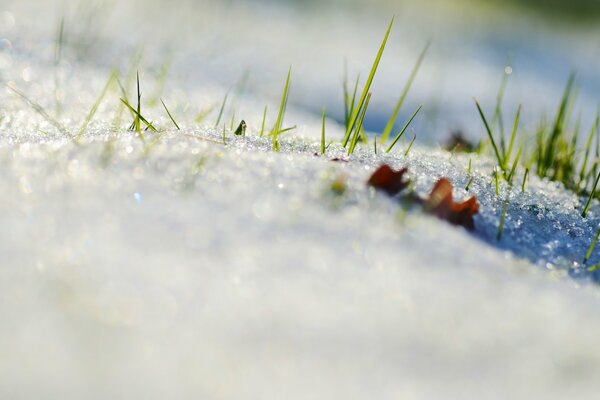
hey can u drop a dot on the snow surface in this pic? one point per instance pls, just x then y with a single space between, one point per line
197 269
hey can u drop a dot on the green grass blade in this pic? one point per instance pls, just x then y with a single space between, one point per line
282 107
94 109
232 121
588 255
410 145
589 201
363 97
508 153
399 135
358 129
170 116
588 147
223 103
502 219
39 109
558 128
511 175
352 103
490 135
392 121
323 133
524 180
262 125
469 184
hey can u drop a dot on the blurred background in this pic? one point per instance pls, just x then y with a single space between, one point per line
211 47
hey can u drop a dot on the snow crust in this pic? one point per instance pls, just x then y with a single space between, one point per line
195 268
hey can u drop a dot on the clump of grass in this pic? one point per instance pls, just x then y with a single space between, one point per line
138 118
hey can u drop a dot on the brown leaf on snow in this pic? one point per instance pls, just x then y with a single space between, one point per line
390 181
441 204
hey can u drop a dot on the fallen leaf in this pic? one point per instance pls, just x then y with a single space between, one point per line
441 204
390 181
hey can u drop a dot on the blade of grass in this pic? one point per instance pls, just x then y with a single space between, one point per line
222 109
392 121
469 184
508 153
357 131
503 219
524 180
353 101
399 135
511 175
558 128
410 145
323 132
588 147
363 97
39 109
262 125
490 135
170 116
94 109
232 121
589 201
588 255
281 114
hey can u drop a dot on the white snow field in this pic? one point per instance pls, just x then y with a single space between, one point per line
186 268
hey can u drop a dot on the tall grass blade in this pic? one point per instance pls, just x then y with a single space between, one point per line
94 109
366 90
392 121
323 133
281 114
223 103
490 135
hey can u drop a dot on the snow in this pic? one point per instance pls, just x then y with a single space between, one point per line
197 269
